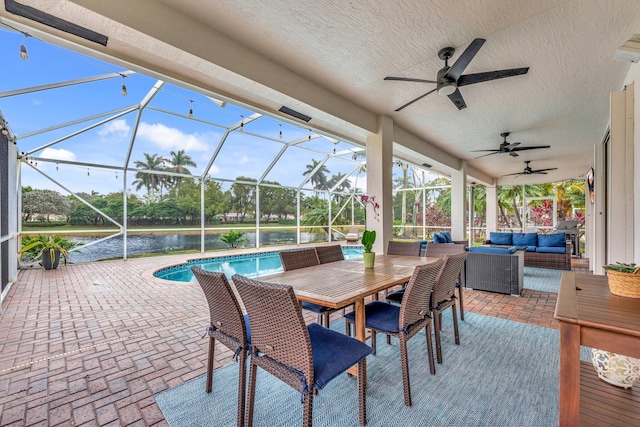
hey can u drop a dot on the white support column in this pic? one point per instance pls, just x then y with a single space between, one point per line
491 211
379 177
459 202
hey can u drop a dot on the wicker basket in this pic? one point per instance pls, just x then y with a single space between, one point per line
624 284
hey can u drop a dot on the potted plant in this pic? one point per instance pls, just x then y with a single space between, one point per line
624 279
368 239
234 238
47 249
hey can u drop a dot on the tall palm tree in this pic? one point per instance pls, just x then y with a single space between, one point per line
152 182
179 162
319 178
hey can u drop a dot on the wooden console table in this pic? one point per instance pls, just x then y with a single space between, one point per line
590 315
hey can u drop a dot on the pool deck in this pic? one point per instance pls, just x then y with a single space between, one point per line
90 344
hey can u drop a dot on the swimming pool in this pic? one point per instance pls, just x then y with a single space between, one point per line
249 265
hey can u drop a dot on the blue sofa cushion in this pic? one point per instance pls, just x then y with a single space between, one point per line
555 239
551 249
493 250
439 238
531 248
333 353
501 238
447 236
525 239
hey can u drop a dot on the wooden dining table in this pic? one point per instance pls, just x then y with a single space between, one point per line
342 283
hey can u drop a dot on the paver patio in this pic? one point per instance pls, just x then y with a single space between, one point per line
90 344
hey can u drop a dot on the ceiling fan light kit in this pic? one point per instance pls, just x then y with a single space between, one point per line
450 78
510 148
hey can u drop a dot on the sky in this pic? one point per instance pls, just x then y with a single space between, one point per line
35 117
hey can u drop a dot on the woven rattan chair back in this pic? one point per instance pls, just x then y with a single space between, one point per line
441 250
445 286
292 260
278 330
227 325
415 304
404 248
330 253
225 313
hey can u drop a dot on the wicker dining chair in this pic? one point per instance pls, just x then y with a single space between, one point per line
331 253
304 357
227 325
441 250
405 321
293 260
405 249
443 297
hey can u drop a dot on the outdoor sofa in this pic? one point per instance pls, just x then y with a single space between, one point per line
495 269
540 250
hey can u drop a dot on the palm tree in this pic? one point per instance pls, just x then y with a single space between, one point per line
179 162
319 178
152 182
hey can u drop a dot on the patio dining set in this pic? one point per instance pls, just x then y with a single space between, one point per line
274 336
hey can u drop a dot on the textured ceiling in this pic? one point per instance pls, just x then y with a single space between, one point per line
328 59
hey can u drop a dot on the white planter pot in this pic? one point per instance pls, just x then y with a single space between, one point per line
616 369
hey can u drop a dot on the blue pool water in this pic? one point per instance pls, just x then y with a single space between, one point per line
250 265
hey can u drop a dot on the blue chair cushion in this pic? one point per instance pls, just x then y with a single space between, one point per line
525 239
501 238
551 250
555 239
314 307
492 250
246 322
423 246
531 248
380 315
396 296
439 238
447 236
333 353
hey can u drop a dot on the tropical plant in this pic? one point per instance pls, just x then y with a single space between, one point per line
623 268
34 247
152 182
368 239
234 238
319 177
179 162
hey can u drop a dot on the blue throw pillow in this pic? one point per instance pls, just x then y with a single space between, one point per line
525 239
500 238
555 239
439 238
447 236
491 250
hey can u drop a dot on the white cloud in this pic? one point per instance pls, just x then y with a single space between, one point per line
214 170
119 128
58 153
37 102
171 138
242 160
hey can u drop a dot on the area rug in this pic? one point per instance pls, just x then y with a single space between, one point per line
542 279
494 378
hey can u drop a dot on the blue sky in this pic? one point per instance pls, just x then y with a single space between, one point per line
243 154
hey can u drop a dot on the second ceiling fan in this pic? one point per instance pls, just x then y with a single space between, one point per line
510 148
528 171
450 78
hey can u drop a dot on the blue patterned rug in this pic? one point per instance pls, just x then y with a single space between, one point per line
542 279
494 378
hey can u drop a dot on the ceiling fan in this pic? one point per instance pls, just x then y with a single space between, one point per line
529 171
450 78
510 148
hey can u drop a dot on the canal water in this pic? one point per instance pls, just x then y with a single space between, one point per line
168 243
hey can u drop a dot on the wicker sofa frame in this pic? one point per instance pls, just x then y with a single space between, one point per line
503 273
544 260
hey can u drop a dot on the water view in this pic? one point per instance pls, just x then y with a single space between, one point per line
167 243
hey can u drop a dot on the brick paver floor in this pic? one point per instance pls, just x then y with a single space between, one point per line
90 344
